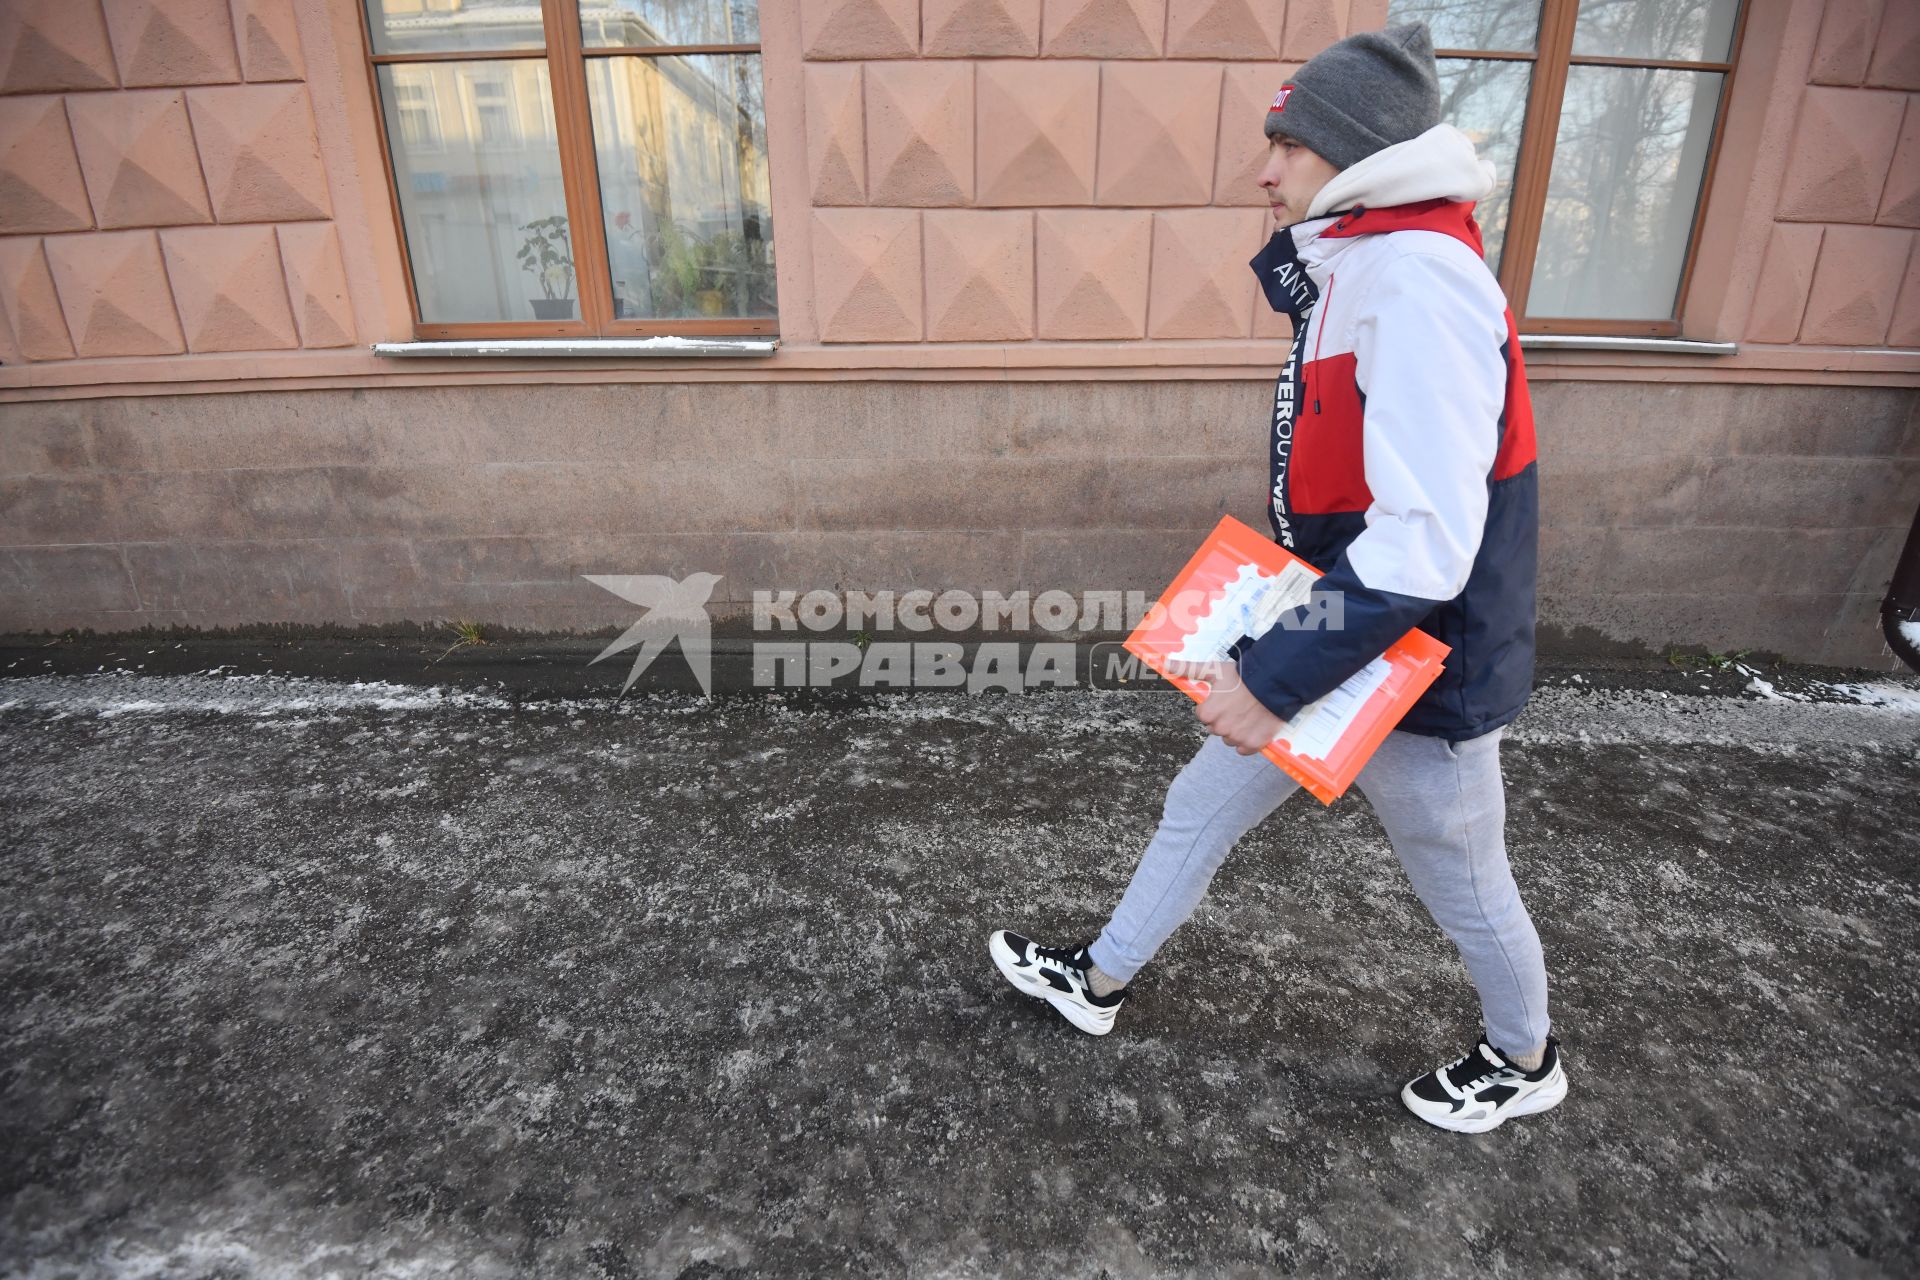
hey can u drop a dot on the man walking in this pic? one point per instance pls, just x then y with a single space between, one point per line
1401 452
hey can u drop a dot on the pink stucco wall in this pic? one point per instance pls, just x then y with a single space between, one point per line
1020 184
969 195
161 185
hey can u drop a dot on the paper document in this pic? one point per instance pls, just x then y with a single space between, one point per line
1320 725
1237 586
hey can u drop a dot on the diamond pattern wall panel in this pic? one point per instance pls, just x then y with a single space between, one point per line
1157 126
1855 285
40 184
859 28
173 42
1225 28
979 275
1312 25
1038 129
980 28
137 153
32 306
54 44
1900 201
1896 54
316 284
1842 147
1244 97
920 132
113 293
866 274
1090 268
1104 28
258 147
229 288
1786 273
836 134
1905 330
269 40
1200 272
1267 323
1845 46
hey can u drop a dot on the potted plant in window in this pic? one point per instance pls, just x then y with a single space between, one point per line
547 255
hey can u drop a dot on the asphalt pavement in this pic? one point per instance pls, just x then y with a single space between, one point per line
338 974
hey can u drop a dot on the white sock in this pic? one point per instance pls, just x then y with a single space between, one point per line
1528 1062
1102 984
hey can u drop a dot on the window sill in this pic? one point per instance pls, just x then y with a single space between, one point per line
1600 342
575 348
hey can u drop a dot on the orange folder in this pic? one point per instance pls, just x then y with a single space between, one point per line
1235 576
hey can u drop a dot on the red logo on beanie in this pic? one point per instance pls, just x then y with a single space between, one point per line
1280 99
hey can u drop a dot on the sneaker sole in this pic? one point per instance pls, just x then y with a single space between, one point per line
1039 989
1544 1099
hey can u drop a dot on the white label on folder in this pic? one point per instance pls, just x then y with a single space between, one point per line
1252 603
1320 725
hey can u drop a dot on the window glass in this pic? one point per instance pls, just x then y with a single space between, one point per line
1497 26
477 168
613 24
454 26
1656 30
1627 167
1487 101
682 150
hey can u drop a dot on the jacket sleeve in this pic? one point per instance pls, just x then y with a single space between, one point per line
1428 360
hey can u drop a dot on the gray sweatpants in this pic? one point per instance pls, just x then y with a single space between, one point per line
1445 811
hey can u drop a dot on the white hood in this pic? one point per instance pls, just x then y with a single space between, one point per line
1440 164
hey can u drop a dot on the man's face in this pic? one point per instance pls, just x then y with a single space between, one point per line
1292 177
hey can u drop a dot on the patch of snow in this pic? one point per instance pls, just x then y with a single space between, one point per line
123 693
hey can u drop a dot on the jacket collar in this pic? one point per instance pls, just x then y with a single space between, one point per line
1440 164
1428 183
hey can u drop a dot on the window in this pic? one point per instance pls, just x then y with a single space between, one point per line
575 168
493 110
1601 119
413 101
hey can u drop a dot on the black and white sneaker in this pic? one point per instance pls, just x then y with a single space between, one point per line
1057 975
1481 1090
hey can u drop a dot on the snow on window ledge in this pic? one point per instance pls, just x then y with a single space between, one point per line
574 348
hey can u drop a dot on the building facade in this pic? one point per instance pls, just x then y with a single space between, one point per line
903 293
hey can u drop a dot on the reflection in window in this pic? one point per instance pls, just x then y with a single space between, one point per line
1496 26
630 24
486 229
1627 168
454 26
493 110
1657 30
682 150
1488 102
413 104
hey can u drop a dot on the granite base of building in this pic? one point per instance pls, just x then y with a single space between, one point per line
1714 516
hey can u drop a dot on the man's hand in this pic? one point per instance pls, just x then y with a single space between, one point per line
1230 712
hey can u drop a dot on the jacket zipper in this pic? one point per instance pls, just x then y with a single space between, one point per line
1319 315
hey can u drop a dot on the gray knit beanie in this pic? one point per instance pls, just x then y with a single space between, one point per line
1361 95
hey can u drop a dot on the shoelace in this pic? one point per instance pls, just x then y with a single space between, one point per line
1062 958
1487 1071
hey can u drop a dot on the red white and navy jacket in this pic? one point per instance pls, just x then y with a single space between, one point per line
1401 443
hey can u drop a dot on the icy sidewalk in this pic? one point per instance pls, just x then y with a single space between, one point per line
307 978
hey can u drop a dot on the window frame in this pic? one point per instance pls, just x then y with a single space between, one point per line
1552 58
566 59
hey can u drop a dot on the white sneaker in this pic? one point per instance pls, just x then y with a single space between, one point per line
1057 975
1482 1090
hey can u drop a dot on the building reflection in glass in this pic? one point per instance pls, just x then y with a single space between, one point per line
679 140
